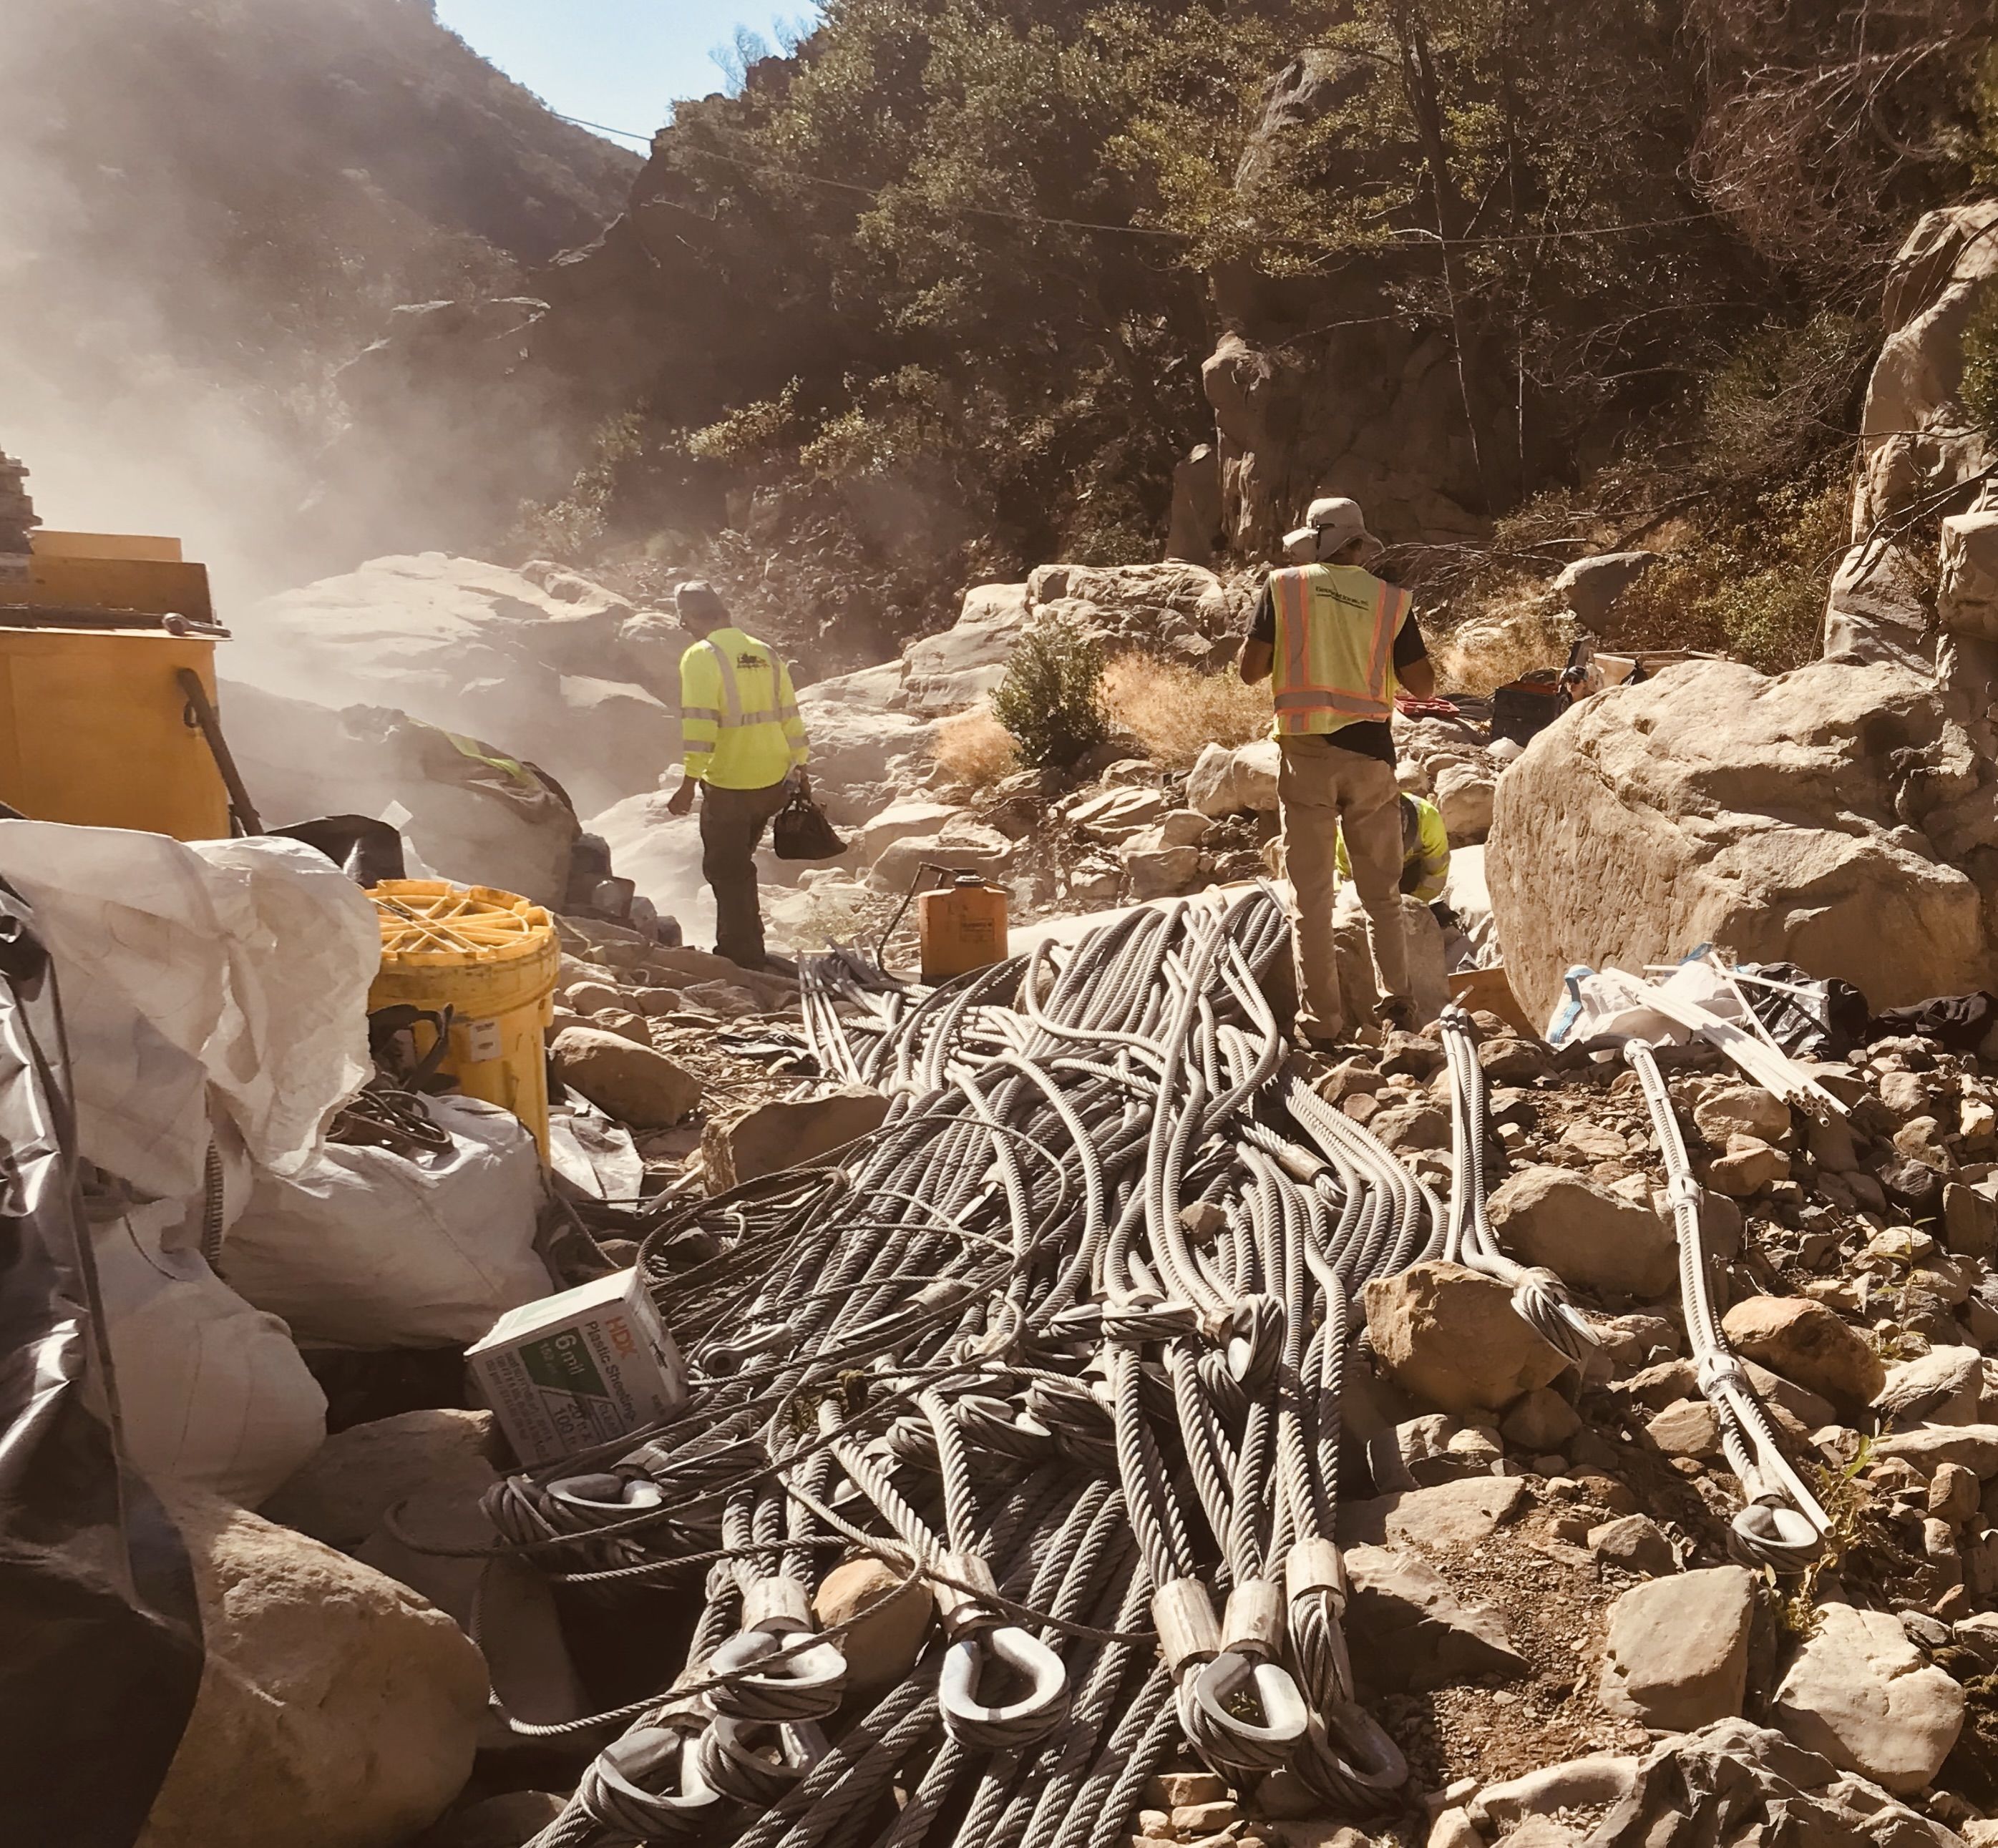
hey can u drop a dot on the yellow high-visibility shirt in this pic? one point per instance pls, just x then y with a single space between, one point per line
1429 850
739 723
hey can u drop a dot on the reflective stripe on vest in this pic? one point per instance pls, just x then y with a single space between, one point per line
732 718
1340 664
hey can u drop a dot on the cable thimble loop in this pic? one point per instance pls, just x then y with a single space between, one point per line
762 1681
648 1785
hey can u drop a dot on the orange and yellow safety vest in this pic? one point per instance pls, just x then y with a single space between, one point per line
1334 659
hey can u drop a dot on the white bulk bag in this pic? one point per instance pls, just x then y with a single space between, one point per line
233 970
369 1248
212 1392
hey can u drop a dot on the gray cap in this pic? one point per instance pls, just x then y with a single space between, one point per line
697 598
1331 525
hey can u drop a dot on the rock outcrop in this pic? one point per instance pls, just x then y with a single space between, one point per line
476 648
1914 437
1835 817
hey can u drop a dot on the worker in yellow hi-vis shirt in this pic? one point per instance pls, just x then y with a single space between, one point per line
743 746
1337 644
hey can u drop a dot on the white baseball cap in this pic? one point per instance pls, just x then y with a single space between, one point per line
1330 526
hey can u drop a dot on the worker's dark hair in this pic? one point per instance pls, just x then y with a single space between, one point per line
700 601
1411 820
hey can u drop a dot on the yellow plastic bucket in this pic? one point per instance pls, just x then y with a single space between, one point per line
493 958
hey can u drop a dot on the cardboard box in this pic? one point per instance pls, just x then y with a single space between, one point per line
584 1368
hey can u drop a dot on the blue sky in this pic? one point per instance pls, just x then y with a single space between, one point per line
623 63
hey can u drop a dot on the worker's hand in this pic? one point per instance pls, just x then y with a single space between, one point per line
801 783
681 801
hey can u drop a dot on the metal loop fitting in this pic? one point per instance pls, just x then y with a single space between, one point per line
1211 1707
648 1785
755 1762
806 1686
1350 1760
1771 1533
605 1498
990 1728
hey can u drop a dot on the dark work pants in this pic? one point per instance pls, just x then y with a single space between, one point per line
731 828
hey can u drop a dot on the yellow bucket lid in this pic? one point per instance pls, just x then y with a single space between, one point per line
431 923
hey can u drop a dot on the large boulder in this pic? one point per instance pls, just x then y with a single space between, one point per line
1304 414
404 1495
1465 794
474 648
1861 1694
337 1709
1589 587
1452 1338
1237 781
1586 1235
1814 817
472 815
1428 984
359 1474
867 751
946 673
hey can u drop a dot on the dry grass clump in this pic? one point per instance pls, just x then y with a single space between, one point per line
1175 710
973 750
1515 628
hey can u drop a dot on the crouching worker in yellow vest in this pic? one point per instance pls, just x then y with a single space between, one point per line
1425 852
1337 642
743 746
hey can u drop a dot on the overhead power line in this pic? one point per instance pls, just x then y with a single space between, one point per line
765 165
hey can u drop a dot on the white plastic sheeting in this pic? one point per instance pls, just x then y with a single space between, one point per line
1594 1002
233 970
369 1248
211 1392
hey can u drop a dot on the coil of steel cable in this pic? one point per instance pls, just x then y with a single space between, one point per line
1062 1343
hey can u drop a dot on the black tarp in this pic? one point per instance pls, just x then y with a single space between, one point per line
100 1635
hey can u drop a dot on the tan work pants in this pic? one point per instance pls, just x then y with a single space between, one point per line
1320 789
731 828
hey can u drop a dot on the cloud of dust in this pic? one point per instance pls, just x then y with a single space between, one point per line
206 206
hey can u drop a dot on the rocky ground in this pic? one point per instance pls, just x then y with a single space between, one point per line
1546 1612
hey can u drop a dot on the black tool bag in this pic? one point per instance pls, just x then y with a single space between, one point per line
801 832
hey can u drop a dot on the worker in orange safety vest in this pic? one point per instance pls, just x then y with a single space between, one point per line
1337 642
